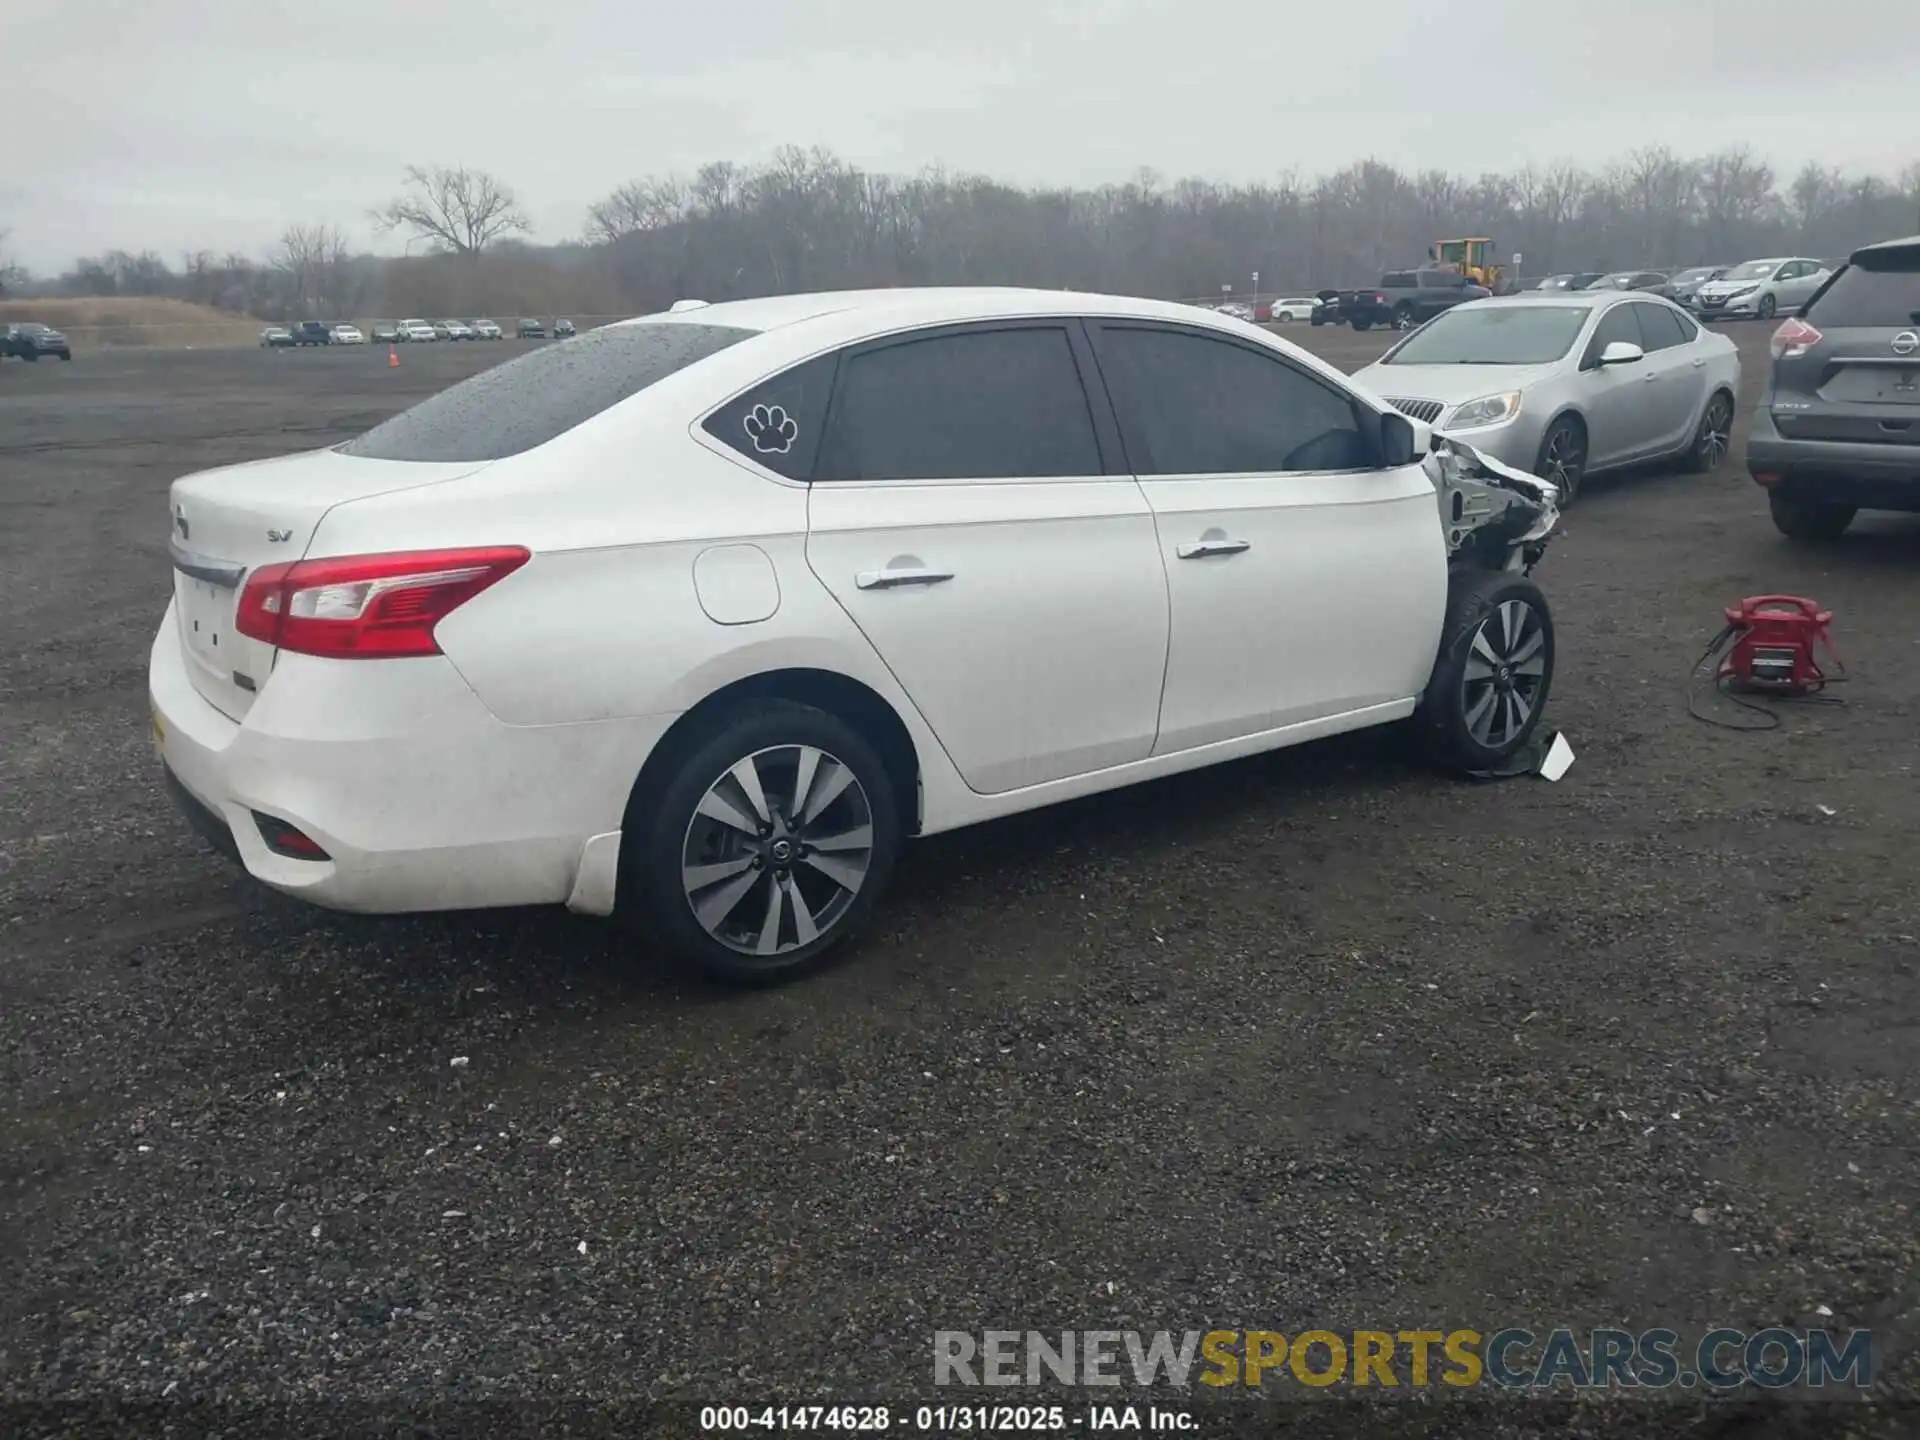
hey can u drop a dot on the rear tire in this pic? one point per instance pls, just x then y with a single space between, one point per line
1809 520
1714 437
1362 324
760 890
1403 317
32 357
1495 669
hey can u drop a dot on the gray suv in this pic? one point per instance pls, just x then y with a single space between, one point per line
1838 429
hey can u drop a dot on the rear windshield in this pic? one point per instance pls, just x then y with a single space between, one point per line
1885 292
527 402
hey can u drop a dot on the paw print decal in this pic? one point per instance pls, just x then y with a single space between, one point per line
771 429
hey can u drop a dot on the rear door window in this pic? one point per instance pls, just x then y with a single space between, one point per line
543 394
1882 294
1659 327
1193 405
979 404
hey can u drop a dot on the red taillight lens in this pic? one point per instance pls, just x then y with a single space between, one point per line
1794 337
367 607
285 839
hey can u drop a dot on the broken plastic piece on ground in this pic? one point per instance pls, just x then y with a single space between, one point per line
1547 754
1559 758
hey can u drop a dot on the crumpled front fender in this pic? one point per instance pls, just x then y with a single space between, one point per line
1493 515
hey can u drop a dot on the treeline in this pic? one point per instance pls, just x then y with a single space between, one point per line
808 220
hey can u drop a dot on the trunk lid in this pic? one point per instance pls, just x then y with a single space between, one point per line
227 523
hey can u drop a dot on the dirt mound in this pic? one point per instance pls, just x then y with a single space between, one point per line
174 324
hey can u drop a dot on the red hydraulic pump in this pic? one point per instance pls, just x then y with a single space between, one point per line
1772 646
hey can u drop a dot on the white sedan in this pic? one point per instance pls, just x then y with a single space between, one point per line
694 618
348 335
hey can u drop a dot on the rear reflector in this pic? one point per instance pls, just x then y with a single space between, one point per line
367 607
1769 478
1794 337
284 839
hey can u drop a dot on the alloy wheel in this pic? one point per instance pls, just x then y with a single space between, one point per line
777 850
1506 666
1563 461
1716 433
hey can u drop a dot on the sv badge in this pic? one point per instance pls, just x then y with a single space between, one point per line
279 537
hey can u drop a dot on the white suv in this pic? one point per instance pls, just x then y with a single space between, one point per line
695 616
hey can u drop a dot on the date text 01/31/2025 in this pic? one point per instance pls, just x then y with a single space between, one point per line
944 1419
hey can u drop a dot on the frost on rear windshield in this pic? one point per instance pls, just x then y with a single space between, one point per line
527 402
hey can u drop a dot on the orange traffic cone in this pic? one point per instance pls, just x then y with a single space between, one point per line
393 357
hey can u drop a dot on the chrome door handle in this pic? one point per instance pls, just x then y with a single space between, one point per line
894 579
1197 549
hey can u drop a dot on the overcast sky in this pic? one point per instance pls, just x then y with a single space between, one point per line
179 124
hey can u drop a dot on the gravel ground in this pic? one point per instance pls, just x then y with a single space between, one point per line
1312 1040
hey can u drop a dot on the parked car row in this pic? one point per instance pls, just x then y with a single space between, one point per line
1758 289
389 332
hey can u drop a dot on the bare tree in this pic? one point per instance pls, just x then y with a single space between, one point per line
12 273
313 261
638 205
455 208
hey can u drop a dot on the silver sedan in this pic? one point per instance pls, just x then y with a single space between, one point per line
1566 385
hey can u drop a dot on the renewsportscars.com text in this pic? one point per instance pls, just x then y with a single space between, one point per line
1511 1358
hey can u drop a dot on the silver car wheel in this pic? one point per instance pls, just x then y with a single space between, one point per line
1506 666
1716 432
777 850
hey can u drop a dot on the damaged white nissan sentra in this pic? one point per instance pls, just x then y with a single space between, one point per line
694 617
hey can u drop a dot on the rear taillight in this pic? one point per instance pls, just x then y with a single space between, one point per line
1379 299
1794 337
367 607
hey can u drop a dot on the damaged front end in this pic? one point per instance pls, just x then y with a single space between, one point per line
1495 517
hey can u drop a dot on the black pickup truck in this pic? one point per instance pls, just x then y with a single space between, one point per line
1402 299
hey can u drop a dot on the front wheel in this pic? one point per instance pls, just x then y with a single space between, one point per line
1495 668
766 846
1563 458
1809 520
1765 308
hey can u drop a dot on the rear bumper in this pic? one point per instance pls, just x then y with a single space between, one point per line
1872 477
420 796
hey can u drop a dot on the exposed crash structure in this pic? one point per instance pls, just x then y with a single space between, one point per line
1495 517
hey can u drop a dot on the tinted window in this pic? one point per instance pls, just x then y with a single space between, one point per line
1194 405
527 402
777 423
1618 324
1883 293
1492 335
1398 280
1659 327
980 404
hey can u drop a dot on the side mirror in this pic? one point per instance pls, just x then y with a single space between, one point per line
1621 352
1403 439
